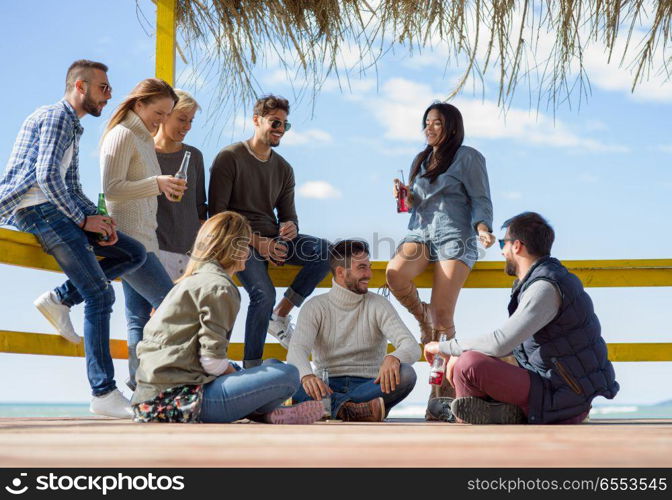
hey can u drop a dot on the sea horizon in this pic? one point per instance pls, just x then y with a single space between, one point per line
39 409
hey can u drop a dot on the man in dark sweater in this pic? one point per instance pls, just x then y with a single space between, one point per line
553 333
250 178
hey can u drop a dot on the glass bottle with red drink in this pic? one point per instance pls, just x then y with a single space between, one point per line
438 370
402 194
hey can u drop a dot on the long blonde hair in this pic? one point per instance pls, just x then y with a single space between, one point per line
146 91
224 238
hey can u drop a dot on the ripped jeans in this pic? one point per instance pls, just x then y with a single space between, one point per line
89 279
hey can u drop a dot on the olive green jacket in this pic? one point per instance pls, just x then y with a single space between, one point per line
195 319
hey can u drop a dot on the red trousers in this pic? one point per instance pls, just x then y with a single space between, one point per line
477 374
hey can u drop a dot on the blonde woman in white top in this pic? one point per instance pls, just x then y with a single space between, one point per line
132 181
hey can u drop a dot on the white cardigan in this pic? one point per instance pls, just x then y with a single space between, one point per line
129 169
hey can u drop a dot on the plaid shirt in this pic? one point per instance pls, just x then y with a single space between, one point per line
44 138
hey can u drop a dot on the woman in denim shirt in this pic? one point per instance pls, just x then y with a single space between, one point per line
451 212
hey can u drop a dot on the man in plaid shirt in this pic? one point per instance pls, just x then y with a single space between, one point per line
40 193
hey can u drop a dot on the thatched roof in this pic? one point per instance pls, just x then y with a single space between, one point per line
539 44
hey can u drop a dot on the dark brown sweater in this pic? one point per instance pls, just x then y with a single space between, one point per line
241 183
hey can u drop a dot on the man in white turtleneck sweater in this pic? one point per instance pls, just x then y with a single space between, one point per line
347 331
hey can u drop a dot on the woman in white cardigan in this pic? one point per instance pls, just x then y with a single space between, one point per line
132 181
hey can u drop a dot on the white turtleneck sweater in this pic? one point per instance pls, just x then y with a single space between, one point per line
348 333
129 170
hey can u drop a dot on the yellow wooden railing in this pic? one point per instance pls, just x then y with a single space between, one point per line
22 249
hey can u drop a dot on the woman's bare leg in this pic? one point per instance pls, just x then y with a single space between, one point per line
410 261
449 278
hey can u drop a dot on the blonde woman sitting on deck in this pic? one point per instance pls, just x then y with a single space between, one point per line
184 374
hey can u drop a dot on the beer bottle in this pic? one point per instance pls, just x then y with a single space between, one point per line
182 172
102 210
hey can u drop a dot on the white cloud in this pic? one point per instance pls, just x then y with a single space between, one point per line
403 101
319 190
312 136
277 77
512 195
665 148
613 77
242 123
353 89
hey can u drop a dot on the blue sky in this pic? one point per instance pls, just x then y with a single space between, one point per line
599 172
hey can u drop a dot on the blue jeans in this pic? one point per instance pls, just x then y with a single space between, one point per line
361 390
307 251
249 392
144 289
89 279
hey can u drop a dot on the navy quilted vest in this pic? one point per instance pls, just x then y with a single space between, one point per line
568 357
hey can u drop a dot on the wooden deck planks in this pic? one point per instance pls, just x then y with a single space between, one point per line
99 442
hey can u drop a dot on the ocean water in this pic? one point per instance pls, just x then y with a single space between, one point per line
624 411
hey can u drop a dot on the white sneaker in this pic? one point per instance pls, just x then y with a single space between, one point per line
112 404
58 315
281 328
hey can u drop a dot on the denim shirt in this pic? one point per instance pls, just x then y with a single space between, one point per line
456 201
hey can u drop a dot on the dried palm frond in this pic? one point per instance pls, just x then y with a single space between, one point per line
541 42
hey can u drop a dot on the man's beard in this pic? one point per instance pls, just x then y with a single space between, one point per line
510 268
352 285
91 106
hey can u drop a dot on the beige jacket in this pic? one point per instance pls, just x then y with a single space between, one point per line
129 169
195 319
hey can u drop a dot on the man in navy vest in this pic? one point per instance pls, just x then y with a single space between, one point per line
553 333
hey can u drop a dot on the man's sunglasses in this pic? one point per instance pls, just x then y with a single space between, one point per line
276 124
105 87
503 242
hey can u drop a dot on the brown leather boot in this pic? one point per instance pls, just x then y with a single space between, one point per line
410 299
371 411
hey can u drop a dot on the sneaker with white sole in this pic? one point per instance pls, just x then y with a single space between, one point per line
113 404
281 328
299 414
58 315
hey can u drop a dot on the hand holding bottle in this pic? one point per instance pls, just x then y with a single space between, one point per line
170 186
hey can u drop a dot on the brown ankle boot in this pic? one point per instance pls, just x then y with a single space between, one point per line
371 411
409 298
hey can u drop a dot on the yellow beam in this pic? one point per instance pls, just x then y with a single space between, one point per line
22 249
649 351
165 40
55 345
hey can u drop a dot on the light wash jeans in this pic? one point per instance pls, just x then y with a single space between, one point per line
89 279
312 254
144 289
249 392
361 390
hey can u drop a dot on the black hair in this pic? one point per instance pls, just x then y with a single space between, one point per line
533 231
341 253
453 136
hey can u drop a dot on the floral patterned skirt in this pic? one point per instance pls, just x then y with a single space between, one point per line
181 404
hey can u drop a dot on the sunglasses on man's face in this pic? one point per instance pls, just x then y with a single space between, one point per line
104 87
276 124
502 243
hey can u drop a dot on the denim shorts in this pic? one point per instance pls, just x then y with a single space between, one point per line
443 248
